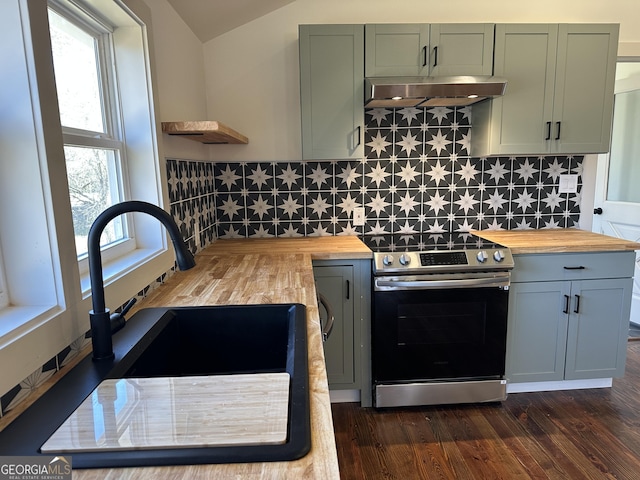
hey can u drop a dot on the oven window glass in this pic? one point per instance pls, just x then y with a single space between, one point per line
441 324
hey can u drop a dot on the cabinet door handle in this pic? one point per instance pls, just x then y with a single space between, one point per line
358 136
435 56
577 309
348 289
575 268
424 56
328 327
567 299
548 137
558 130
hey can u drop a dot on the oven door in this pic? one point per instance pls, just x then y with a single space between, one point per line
447 332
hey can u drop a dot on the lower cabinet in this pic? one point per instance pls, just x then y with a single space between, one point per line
335 283
345 286
569 316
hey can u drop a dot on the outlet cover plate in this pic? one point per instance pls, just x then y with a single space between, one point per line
568 184
358 217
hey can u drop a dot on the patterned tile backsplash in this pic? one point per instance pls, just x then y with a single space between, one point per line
417 176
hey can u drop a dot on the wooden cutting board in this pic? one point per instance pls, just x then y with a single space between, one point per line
178 412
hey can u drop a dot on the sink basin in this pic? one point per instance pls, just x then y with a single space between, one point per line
216 341
208 343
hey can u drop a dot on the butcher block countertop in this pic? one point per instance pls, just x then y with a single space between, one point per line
560 240
320 248
259 271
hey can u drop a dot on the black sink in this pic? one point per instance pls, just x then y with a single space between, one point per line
183 341
216 341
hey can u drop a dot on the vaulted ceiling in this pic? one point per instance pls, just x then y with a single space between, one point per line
211 18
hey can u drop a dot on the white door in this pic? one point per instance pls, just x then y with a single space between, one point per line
617 191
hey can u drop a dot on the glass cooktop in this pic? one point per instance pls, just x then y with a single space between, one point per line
419 242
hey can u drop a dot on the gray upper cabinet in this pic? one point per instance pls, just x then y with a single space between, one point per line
584 90
559 96
332 91
428 49
396 50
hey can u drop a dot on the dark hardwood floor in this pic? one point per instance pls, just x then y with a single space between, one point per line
578 434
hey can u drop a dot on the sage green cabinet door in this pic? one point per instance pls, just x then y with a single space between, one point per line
598 328
336 284
569 316
559 96
461 49
583 96
392 50
332 91
537 332
428 49
517 123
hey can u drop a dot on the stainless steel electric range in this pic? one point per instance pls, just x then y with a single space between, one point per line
439 324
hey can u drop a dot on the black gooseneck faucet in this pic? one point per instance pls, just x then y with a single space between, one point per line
100 318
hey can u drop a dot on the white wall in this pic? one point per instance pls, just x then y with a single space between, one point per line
180 78
252 72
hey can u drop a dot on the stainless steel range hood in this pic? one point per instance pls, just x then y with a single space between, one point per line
449 91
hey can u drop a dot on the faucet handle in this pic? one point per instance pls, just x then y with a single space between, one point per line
117 320
128 306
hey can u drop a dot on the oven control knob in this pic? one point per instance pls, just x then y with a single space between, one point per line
482 256
388 260
405 259
498 255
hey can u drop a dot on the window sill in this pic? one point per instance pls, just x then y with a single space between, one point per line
16 321
116 269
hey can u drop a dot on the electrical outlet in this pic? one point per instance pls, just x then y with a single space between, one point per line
358 216
196 232
568 184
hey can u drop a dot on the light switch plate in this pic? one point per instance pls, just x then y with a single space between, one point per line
568 184
358 216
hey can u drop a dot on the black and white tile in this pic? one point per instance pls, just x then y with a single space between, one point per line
458 192
417 176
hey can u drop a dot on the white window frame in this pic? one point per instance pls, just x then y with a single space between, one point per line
4 296
138 134
111 138
48 296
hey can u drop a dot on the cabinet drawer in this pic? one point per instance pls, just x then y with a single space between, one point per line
573 266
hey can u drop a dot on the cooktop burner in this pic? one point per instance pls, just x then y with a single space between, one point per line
436 253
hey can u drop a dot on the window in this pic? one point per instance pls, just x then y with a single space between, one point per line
45 296
624 168
81 46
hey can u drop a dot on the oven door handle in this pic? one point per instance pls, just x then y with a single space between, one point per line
393 284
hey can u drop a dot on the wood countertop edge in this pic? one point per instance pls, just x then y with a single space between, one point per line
319 248
569 240
549 250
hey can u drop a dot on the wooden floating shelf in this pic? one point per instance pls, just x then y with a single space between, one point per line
207 132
